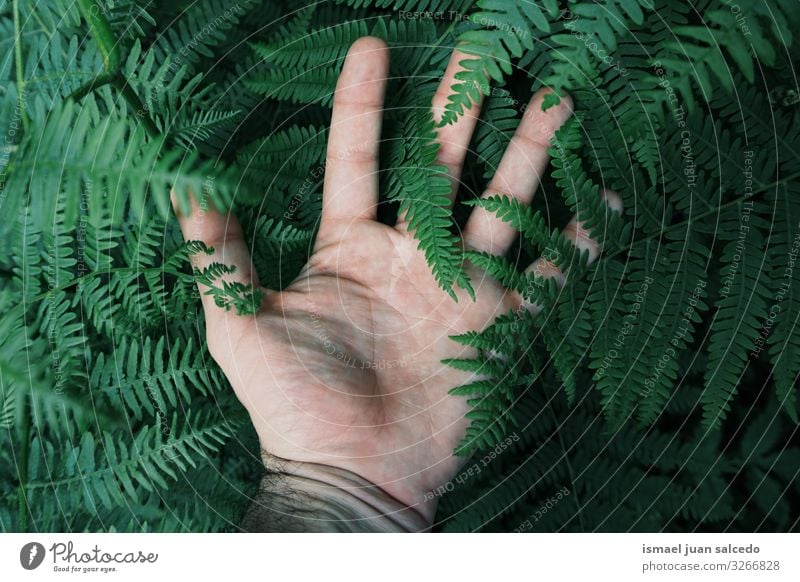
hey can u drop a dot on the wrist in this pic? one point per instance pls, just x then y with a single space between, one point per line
313 497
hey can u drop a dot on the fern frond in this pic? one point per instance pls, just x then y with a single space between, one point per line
97 157
290 160
108 470
532 287
312 86
150 378
783 338
497 124
720 30
740 308
423 190
199 30
320 47
246 299
508 29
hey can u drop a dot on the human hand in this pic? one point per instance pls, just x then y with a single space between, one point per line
341 371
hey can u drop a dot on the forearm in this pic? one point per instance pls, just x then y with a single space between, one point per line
309 497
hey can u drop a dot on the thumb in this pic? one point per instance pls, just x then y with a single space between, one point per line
223 233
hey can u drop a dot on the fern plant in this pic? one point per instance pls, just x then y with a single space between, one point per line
655 390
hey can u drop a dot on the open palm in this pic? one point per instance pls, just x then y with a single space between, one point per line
343 367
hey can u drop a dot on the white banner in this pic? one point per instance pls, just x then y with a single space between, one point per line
401 557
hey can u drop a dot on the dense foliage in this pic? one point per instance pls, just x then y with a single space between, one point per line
656 390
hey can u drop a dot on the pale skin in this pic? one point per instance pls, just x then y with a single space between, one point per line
343 367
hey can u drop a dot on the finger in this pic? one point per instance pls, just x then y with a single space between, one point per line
222 232
454 138
351 175
581 238
518 174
